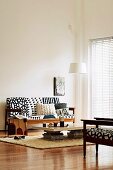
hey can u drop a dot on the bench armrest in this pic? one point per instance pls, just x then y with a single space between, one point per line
96 122
101 118
72 109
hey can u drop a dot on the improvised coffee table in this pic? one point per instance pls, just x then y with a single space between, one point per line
55 133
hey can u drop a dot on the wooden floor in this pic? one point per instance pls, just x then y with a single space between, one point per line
14 157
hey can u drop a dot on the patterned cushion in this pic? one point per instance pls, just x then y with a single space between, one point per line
64 112
43 109
100 133
32 104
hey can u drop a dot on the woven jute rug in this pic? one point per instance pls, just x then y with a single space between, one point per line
40 143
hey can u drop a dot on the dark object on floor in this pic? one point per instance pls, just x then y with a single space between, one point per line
19 137
23 137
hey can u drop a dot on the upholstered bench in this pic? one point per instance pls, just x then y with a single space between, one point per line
36 108
102 133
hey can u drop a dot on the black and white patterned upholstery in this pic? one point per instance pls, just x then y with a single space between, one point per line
49 100
32 104
100 133
28 105
17 103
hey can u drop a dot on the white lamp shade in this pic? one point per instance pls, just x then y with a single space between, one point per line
77 68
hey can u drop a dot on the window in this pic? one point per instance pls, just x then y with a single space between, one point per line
101 78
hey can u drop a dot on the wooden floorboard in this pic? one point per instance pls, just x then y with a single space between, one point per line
14 157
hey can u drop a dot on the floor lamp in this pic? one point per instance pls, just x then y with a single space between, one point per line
78 68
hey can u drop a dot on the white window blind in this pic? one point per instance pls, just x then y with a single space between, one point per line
101 77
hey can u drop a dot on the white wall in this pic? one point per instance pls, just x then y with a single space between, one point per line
97 23
38 40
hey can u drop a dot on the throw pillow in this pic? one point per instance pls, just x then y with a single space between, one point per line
64 111
48 116
60 105
45 109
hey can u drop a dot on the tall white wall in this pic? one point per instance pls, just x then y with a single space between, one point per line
37 42
97 23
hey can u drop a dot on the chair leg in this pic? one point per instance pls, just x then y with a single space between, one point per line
97 149
84 147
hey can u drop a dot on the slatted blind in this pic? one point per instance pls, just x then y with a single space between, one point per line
101 77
